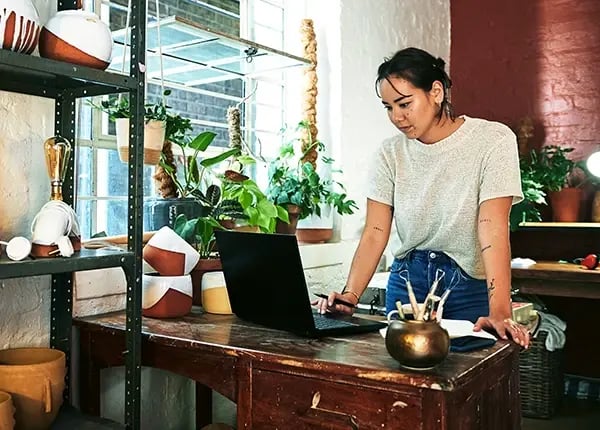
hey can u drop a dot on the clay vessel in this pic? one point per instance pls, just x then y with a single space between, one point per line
417 344
7 412
166 296
77 37
35 378
19 26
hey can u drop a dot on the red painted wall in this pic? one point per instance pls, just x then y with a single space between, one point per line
541 58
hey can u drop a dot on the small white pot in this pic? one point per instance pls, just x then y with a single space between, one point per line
154 137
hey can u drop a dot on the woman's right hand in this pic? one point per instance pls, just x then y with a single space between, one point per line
330 305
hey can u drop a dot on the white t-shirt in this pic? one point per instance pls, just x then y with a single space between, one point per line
436 189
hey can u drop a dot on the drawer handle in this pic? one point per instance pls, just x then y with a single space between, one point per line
352 421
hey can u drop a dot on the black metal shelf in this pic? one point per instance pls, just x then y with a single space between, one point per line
85 259
70 418
28 74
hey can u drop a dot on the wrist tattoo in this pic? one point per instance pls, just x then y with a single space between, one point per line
485 248
491 288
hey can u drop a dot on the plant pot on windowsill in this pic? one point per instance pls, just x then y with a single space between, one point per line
565 204
316 228
284 228
154 137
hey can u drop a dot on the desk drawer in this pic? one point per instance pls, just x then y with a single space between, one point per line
283 401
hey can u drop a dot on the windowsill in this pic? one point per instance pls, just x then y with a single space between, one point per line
322 254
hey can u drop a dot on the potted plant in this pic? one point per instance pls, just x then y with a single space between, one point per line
260 213
561 177
199 232
294 183
155 116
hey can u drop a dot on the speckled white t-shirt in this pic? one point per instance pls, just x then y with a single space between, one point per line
436 189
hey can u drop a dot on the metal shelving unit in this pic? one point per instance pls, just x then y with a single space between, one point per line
64 83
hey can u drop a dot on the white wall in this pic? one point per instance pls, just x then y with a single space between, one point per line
353 37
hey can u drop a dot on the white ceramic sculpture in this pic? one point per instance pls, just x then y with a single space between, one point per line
19 26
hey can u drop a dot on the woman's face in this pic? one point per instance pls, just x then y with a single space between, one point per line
413 111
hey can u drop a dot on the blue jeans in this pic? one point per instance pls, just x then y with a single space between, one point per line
468 299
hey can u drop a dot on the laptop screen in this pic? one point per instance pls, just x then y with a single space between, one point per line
265 279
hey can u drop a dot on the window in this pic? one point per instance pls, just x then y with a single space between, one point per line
102 177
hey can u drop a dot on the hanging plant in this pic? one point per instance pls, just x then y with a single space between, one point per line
309 43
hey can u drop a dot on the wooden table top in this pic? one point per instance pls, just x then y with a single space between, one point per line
362 355
553 270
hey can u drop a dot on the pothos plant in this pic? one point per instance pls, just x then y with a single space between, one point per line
295 181
118 107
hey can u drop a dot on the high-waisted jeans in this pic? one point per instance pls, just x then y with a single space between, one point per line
468 299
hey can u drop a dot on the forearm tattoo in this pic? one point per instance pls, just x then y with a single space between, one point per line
482 220
378 229
491 288
485 248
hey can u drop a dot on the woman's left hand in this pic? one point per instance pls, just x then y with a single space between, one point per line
505 327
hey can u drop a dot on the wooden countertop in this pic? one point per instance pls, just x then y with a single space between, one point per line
552 278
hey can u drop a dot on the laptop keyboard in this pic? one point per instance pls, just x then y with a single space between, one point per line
322 322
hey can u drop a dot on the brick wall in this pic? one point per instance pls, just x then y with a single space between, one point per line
190 105
540 58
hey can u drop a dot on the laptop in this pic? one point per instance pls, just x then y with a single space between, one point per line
266 285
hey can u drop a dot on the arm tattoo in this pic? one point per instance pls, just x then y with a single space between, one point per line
491 288
485 248
378 229
482 220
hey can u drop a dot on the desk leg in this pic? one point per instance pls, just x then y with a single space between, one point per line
89 377
203 405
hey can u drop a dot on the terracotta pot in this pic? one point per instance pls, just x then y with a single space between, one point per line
7 411
35 378
314 235
154 137
565 204
169 254
77 37
204 265
166 296
283 228
19 26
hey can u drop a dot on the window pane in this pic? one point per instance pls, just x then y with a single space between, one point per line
112 216
85 214
85 170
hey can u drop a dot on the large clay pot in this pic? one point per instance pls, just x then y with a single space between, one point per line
7 411
35 378
284 228
19 26
77 37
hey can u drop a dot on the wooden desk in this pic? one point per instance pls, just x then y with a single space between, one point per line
550 278
281 381
566 289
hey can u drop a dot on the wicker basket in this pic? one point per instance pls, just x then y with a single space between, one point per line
542 382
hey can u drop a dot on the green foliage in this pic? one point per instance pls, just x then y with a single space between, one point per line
259 210
118 107
192 177
199 232
292 181
547 170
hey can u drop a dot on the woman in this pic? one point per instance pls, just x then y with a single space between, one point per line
448 183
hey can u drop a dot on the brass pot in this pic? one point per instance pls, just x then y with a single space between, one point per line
417 344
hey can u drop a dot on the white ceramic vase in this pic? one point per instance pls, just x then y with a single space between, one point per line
77 37
19 26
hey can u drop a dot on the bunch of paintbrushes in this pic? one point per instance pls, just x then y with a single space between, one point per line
433 305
